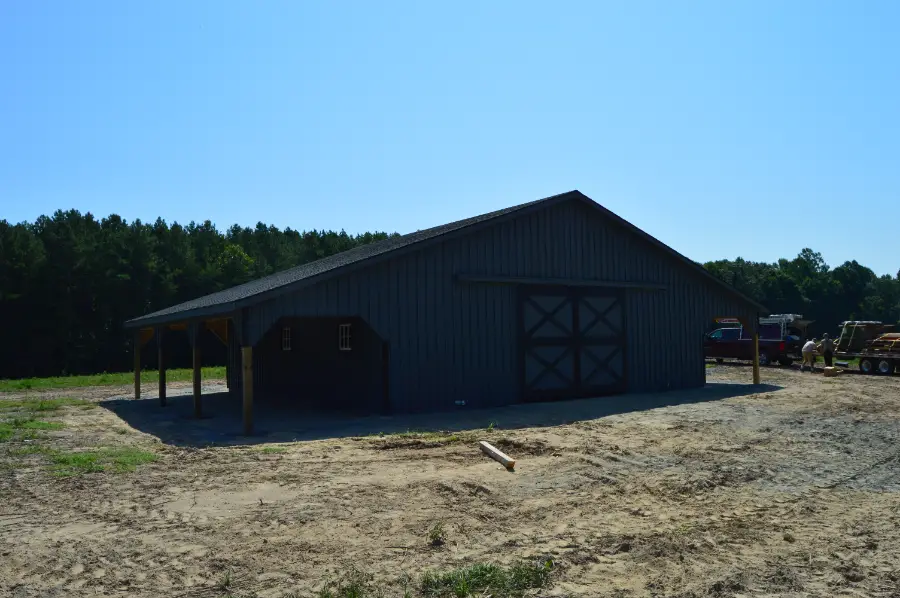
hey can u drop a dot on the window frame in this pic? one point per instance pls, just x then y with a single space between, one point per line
345 342
286 339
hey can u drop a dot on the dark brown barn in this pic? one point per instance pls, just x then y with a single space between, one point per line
552 299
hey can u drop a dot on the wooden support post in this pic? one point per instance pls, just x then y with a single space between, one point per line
160 345
247 371
137 364
385 378
194 330
198 405
756 358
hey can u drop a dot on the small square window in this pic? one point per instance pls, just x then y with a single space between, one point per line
344 337
285 339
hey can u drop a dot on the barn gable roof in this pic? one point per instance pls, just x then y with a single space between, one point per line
227 300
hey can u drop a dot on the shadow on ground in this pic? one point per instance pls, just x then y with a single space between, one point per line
221 423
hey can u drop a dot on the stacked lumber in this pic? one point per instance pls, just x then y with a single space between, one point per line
856 335
886 343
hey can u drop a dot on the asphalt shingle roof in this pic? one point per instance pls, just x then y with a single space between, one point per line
361 253
224 301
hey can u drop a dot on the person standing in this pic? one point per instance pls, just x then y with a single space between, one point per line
827 348
809 355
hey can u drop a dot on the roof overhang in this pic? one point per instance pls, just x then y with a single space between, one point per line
190 315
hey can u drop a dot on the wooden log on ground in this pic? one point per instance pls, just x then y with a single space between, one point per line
830 372
497 455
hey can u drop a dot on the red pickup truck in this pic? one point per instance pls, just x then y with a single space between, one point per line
780 340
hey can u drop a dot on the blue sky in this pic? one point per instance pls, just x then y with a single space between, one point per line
725 129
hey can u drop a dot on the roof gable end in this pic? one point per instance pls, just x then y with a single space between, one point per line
289 280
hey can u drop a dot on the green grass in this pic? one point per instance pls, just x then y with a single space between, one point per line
352 584
123 378
31 449
273 450
486 579
436 535
34 424
14 457
225 582
116 460
479 580
24 428
39 405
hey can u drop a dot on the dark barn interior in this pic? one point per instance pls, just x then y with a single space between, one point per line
300 361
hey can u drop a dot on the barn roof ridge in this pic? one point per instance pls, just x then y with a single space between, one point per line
227 300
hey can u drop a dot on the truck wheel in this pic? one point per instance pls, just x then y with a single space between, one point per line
885 367
786 361
719 360
763 358
866 365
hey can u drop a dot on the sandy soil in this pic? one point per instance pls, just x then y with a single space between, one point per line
793 491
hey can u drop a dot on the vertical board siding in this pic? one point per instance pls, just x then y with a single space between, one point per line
453 342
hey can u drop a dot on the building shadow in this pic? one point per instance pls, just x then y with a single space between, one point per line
221 424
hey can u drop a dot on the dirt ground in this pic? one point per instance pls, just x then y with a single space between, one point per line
793 491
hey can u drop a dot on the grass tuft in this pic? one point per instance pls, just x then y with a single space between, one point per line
42 405
273 450
353 584
116 379
225 582
478 580
487 579
437 535
30 449
24 428
118 460
26 423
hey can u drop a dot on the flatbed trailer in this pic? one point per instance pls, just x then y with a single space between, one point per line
883 364
877 349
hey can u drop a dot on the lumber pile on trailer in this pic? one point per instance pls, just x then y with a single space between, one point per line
886 343
856 335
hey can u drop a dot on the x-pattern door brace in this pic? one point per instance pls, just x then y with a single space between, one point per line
603 364
548 316
550 367
599 316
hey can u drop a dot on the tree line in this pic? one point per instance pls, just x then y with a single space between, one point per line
808 286
69 281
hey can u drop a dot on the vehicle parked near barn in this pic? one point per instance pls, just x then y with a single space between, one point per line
781 338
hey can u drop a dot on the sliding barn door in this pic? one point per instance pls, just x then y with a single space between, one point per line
572 342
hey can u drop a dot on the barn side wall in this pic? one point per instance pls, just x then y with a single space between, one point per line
452 341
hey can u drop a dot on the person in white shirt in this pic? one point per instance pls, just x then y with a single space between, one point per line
809 355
